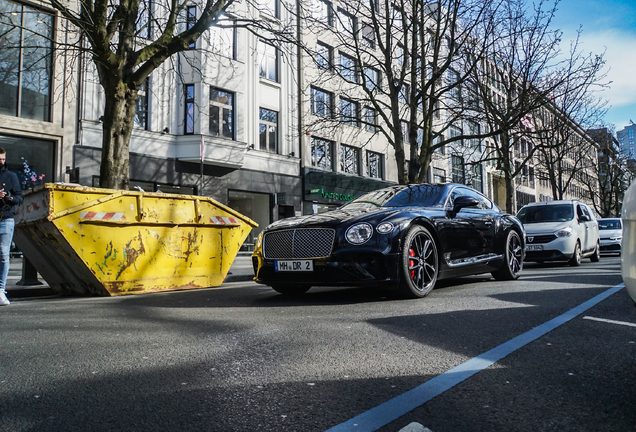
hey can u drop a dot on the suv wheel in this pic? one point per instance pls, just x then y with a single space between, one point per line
596 256
576 258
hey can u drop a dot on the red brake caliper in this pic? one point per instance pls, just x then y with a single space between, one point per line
411 262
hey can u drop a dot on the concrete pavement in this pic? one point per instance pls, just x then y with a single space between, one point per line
241 270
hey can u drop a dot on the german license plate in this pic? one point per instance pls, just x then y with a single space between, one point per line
534 248
294 265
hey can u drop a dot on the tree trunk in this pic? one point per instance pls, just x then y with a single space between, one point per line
119 115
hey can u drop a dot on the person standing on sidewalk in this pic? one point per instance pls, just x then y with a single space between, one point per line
10 196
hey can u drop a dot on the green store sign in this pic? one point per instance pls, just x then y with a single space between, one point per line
332 195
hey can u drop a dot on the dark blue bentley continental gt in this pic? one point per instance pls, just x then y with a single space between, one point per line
407 237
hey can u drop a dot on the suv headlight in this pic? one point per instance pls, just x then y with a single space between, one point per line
616 238
359 233
565 232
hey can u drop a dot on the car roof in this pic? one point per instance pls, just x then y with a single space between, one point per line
554 202
608 219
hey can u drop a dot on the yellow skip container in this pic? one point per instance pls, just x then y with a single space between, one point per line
93 241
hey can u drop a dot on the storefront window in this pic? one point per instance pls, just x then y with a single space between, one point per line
38 154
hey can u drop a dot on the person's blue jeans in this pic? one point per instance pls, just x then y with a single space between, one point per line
6 237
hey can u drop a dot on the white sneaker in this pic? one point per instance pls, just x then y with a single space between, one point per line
3 299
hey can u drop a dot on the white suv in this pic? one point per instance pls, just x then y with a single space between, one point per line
560 231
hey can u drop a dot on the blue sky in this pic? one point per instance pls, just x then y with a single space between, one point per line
611 25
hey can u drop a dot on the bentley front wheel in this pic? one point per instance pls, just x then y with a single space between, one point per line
419 265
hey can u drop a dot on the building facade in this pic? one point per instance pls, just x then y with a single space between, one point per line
263 127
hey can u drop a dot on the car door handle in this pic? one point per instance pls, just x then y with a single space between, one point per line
488 222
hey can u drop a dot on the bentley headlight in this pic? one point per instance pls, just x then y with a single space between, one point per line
359 233
565 232
384 227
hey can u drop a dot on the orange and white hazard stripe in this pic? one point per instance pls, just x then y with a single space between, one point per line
102 216
221 220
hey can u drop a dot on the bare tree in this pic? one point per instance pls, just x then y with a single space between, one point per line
567 155
610 177
520 75
402 65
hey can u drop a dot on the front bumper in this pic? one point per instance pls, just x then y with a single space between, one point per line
371 268
560 249
610 245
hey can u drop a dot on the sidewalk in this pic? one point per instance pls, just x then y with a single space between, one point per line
240 271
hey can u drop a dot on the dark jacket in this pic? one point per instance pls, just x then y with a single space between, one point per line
9 181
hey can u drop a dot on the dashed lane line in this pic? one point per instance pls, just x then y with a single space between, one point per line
395 408
610 321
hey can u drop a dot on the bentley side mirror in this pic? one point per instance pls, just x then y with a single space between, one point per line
464 201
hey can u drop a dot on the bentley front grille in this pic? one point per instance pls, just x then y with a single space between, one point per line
298 243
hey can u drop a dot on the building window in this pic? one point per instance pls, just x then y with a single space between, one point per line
396 13
368 36
268 130
324 56
439 175
399 54
453 83
405 131
346 23
347 68
144 21
269 61
141 107
475 143
375 165
321 104
222 41
322 11
476 178
349 159
457 166
349 112
221 113
191 20
370 119
270 7
372 78
321 153
404 93
25 61
438 139
454 131
189 109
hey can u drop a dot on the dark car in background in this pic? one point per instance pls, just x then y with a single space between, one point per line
407 237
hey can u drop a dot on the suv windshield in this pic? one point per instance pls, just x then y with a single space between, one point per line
614 224
419 195
546 213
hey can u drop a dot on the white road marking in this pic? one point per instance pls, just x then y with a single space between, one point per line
610 321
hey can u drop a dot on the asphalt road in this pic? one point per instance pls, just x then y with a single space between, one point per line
243 358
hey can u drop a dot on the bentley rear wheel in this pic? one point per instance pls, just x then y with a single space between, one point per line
419 265
513 259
